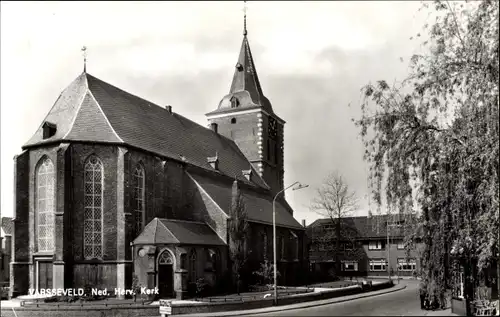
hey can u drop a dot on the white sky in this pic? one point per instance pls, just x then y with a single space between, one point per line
312 59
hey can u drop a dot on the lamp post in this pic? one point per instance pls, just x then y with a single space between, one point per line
299 186
389 250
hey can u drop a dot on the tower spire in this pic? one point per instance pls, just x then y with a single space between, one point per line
84 52
245 18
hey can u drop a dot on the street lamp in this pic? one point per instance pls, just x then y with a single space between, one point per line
389 250
299 186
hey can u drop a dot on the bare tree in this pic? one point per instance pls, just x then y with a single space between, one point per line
335 201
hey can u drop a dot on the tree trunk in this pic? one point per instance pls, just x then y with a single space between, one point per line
468 287
498 268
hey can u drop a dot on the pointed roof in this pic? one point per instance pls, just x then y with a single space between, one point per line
245 91
92 110
169 231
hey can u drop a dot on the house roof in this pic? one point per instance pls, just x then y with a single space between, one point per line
92 110
245 86
169 231
365 227
258 204
6 225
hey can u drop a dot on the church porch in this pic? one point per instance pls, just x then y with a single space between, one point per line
172 255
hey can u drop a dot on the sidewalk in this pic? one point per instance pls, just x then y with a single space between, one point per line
395 288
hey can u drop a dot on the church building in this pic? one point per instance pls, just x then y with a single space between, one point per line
113 186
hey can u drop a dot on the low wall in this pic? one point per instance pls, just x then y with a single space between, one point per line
200 308
86 311
185 308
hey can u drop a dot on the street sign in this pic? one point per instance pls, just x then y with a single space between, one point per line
165 307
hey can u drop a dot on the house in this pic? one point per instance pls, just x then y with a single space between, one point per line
5 250
112 185
367 247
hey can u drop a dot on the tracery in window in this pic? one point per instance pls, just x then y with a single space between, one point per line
138 198
45 205
92 241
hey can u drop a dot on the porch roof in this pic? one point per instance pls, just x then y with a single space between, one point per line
170 231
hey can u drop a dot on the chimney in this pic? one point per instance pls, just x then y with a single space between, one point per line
214 161
213 126
168 108
303 223
247 174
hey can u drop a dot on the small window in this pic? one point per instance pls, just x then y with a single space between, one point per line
234 102
401 245
233 120
378 265
375 245
49 130
405 265
349 266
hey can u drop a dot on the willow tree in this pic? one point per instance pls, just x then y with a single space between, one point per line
435 137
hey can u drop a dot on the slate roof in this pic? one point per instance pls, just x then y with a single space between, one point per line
245 85
7 225
365 227
168 231
90 109
258 204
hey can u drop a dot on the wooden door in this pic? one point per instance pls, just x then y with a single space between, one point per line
166 280
44 275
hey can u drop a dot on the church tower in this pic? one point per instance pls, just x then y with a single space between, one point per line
246 116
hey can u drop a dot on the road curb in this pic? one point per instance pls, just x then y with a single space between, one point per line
317 303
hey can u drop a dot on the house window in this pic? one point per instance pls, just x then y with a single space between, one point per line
349 266
192 266
348 246
92 242
401 245
138 198
407 265
45 208
375 245
378 265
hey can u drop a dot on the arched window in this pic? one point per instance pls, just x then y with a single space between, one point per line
233 120
264 245
192 266
45 206
92 241
165 258
138 198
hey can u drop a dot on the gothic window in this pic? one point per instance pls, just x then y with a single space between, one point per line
45 207
166 258
92 242
192 266
282 246
183 261
138 198
264 247
210 258
295 241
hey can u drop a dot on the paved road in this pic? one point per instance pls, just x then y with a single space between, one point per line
401 303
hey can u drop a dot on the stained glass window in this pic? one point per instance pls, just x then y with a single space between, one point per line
45 207
92 241
138 198
165 258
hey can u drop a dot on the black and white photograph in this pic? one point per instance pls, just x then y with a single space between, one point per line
249 158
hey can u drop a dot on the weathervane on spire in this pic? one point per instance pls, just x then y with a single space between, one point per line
245 18
84 52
